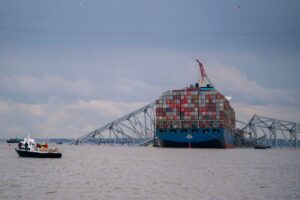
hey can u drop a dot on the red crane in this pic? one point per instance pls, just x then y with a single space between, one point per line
204 80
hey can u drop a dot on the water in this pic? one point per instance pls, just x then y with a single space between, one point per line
92 172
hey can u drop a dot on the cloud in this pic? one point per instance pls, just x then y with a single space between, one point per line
283 112
235 83
26 88
65 99
250 97
54 119
39 88
135 90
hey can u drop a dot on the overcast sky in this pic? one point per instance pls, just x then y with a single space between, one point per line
68 67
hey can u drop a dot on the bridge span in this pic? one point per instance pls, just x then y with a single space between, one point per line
137 129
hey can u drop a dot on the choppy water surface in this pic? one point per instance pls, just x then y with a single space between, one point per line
92 172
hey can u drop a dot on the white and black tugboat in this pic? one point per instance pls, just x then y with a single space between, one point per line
29 148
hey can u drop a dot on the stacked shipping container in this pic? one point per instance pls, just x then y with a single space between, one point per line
194 107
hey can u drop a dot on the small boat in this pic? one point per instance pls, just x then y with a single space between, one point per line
14 140
262 146
29 148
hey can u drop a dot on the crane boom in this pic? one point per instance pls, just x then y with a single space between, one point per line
204 80
202 71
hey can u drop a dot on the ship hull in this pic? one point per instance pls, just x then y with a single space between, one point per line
33 154
196 138
11 141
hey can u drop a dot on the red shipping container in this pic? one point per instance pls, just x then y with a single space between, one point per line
184 101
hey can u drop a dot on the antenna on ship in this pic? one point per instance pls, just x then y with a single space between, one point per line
204 80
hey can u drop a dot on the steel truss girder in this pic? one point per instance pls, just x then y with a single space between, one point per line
272 132
135 128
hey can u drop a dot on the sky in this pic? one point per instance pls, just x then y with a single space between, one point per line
68 67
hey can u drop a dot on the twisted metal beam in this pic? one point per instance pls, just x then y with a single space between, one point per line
272 132
135 128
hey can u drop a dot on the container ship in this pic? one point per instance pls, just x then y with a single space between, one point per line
196 116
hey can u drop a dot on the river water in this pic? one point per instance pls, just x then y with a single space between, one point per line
93 172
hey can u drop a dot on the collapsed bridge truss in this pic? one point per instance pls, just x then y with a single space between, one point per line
137 128
270 132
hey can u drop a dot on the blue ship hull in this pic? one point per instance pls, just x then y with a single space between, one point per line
199 137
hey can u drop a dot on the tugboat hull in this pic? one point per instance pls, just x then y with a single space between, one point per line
33 154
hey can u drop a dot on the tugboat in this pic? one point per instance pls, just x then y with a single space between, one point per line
29 148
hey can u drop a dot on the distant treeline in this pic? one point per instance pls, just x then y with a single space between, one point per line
46 140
